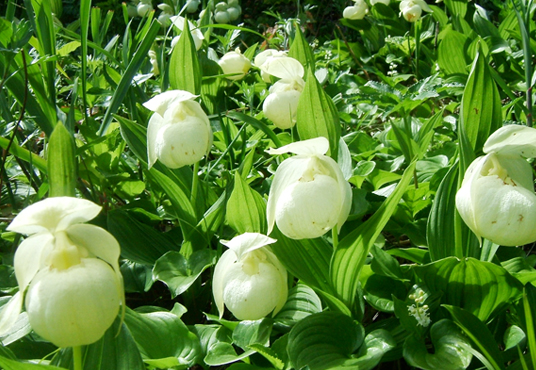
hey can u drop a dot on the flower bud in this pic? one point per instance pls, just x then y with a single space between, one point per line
309 194
221 16
496 199
234 13
192 5
179 132
235 64
358 11
249 279
143 9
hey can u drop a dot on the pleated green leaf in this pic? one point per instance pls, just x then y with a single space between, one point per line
350 255
481 111
301 50
451 349
481 288
480 335
8 364
246 209
317 115
61 163
452 55
184 67
324 340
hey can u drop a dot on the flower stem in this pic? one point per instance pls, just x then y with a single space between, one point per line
77 357
335 236
195 184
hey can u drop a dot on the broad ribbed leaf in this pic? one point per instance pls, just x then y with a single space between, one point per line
302 301
163 339
184 68
452 55
451 349
350 255
139 242
479 334
8 364
306 259
61 163
481 111
301 50
481 288
324 340
179 273
440 228
246 209
317 115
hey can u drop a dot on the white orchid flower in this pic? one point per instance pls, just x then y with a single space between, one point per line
235 64
496 199
70 271
357 11
281 105
411 10
249 279
265 57
144 7
154 62
196 33
309 194
179 132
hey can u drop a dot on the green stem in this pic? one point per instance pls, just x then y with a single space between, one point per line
335 236
195 184
417 47
77 357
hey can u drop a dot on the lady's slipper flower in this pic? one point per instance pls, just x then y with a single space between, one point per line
411 10
358 11
281 105
70 270
265 57
179 132
196 33
235 64
249 279
496 199
309 194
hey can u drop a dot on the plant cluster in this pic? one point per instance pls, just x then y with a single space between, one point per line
203 192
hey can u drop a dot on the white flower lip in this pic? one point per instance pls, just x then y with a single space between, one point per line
496 199
59 243
235 64
249 279
309 194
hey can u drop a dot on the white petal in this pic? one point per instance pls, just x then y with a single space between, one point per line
265 55
226 260
156 122
288 172
284 68
53 214
316 146
247 242
30 257
283 293
513 139
161 102
10 312
423 5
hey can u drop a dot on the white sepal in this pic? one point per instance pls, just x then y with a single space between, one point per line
513 139
166 100
247 242
53 214
286 68
316 146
